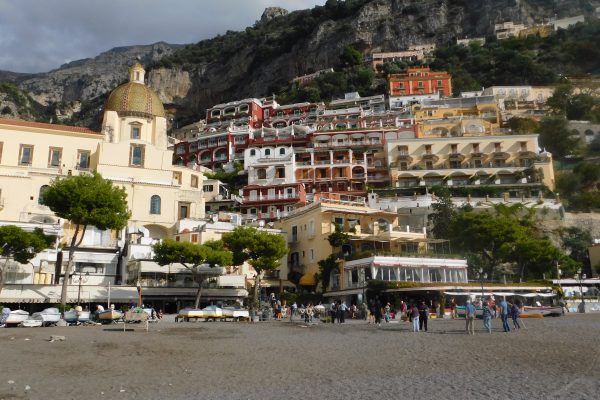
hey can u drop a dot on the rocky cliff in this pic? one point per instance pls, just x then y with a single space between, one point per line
259 60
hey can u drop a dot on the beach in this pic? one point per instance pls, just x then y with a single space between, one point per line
553 358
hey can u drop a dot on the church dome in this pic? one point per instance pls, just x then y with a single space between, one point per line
134 97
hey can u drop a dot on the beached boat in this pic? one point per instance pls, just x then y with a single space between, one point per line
235 312
544 311
190 313
110 315
74 316
49 316
15 317
31 323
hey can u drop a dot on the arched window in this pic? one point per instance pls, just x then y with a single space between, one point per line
41 195
155 204
252 152
282 151
267 152
261 173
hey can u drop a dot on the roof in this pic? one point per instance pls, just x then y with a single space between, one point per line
42 125
134 97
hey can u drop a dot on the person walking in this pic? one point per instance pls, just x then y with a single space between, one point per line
377 312
487 316
504 312
470 317
414 316
386 312
515 312
333 312
343 309
453 308
423 316
293 310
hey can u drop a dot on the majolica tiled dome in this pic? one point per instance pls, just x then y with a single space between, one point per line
134 97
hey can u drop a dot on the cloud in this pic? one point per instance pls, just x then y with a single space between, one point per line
37 36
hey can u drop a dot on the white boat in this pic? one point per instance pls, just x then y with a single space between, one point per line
544 311
74 316
48 316
110 315
190 313
16 317
235 312
31 323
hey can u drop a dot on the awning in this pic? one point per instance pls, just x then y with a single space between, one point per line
308 280
151 266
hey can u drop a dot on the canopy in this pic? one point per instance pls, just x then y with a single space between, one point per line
308 280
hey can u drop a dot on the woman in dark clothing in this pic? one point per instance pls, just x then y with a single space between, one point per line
377 312
423 316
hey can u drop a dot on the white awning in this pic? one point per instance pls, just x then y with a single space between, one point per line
176 268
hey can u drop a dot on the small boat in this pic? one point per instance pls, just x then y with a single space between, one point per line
544 311
31 323
190 313
110 315
76 315
16 317
49 316
212 312
236 313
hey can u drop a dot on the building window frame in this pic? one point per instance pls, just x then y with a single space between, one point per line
81 165
54 157
135 131
137 160
155 204
26 149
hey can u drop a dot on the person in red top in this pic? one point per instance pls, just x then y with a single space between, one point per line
453 308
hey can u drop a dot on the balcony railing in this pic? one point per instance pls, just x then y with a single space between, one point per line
279 196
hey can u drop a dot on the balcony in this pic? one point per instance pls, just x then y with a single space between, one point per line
278 196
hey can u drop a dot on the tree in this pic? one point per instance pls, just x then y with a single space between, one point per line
576 241
85 200
338 237
532 256
262 250
20 245
350 56
444 213
556 137
193 257
523 125
559 100
326 266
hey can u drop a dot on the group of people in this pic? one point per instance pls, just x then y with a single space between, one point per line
489 310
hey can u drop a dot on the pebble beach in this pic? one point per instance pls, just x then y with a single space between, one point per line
552 358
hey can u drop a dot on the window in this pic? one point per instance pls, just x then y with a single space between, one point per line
136 131
41 194
177 178
280 172
267 152
497 147
294 233
475 147
439 83
312 254
403 166
194 238
523 146
194 181
282 152
155 204
403 150
26 155
181 148
261 173
184 210
136 156
280 113
252 152
478 163
454 148
207 188
54 157
428 165
420 84
427 149
83 160
193 146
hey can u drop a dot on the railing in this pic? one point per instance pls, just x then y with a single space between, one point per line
279 196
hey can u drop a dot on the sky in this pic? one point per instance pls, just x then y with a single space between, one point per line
41 35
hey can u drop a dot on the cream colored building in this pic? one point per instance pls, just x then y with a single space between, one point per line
130 150
512 160
370 230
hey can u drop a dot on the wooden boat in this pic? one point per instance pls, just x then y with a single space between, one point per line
539 312
110 315
49 316
16 317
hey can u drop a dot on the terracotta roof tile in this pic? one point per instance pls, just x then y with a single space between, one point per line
41 125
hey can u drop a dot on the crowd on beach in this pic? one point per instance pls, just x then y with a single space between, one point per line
417 313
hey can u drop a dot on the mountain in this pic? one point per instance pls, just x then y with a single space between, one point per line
263 58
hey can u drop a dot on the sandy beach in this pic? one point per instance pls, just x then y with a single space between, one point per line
553 358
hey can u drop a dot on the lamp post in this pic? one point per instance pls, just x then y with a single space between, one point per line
87 274
581 277
481 276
